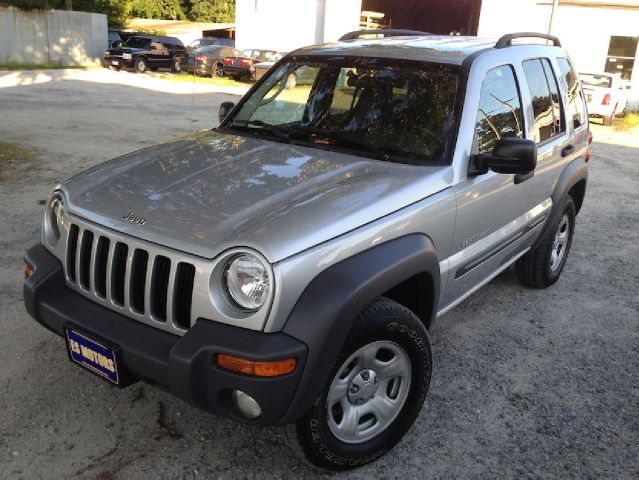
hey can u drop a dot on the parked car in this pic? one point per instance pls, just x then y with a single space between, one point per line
114 39
147 53
606 95
208 61
285 268
301 76
210 41
239 66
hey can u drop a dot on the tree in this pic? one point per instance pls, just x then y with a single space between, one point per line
217 11
160 9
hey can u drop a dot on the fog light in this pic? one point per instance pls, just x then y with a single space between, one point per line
246 405
28 270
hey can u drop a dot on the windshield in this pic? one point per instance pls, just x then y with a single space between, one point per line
402 111
138 42
596 80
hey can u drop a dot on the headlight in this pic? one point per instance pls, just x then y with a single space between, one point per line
126 56
53 219
247 281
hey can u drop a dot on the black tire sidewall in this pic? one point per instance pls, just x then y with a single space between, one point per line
138 62
318 441
567 207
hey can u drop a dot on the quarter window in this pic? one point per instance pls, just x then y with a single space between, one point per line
575 105
545 99
499 112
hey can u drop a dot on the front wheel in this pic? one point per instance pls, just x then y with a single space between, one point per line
176 66
217 71
373 394
542 266
140 65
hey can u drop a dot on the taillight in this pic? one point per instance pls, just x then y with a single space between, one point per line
200 58
228 61
606 99
587 156
246 62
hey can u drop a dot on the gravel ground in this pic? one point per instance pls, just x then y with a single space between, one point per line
526 382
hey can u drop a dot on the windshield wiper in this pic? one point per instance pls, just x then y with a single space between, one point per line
277 131
339 139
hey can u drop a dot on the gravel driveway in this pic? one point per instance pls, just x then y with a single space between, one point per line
526 382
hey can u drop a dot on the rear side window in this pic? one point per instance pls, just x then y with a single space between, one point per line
499 112
576 110
545 99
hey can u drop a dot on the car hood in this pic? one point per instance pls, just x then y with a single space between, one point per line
211 191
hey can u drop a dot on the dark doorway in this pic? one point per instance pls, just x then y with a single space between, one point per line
442 17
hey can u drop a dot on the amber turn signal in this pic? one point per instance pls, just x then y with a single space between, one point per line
258 369
28 270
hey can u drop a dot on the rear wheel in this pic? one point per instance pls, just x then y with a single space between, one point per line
291 81
217 71
542 266
373 394
140 65
607 120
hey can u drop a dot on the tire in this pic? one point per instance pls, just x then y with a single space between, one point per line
176 67
217 71
399 338
140 65
539 268
291 81
607 120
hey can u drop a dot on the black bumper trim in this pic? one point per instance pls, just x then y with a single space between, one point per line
184 366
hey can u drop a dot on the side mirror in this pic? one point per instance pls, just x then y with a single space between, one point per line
510 155
225 109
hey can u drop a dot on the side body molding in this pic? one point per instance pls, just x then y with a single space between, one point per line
573 173
327 309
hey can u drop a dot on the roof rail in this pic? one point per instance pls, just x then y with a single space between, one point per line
388 32
507 40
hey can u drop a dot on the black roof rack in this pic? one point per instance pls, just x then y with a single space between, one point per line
388 32
507 40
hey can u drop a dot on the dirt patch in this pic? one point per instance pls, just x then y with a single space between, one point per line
15 161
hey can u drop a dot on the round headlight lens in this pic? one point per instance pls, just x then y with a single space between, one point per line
53 219
247 281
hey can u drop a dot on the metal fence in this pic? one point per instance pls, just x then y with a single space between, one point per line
51 36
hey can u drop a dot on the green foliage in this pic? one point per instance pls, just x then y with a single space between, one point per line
160 9
219 11
629 122
119 11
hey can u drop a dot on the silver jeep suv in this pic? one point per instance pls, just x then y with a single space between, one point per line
284 268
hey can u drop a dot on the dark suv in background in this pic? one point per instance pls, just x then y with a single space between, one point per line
144 53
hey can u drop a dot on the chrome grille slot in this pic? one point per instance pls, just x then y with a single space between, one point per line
183 294
101 259
159 287
149 283
72 247
138 280
118 272
84 259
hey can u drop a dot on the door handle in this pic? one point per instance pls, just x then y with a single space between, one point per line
567 150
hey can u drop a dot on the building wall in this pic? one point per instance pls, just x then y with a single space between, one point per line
285 25
53 36
584 31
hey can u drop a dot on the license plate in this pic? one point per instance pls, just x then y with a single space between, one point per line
93 356
114 62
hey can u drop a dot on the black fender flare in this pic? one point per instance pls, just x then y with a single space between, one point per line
573 173
326 310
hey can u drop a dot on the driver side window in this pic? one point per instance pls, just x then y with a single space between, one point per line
500 113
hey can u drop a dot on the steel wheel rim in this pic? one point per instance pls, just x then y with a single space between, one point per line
141 65
368 392
560 244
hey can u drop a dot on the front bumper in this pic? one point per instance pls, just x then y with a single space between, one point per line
183 366
118 61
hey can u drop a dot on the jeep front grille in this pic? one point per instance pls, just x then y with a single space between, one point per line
143 281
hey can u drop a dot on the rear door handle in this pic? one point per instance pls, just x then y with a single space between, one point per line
567 150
